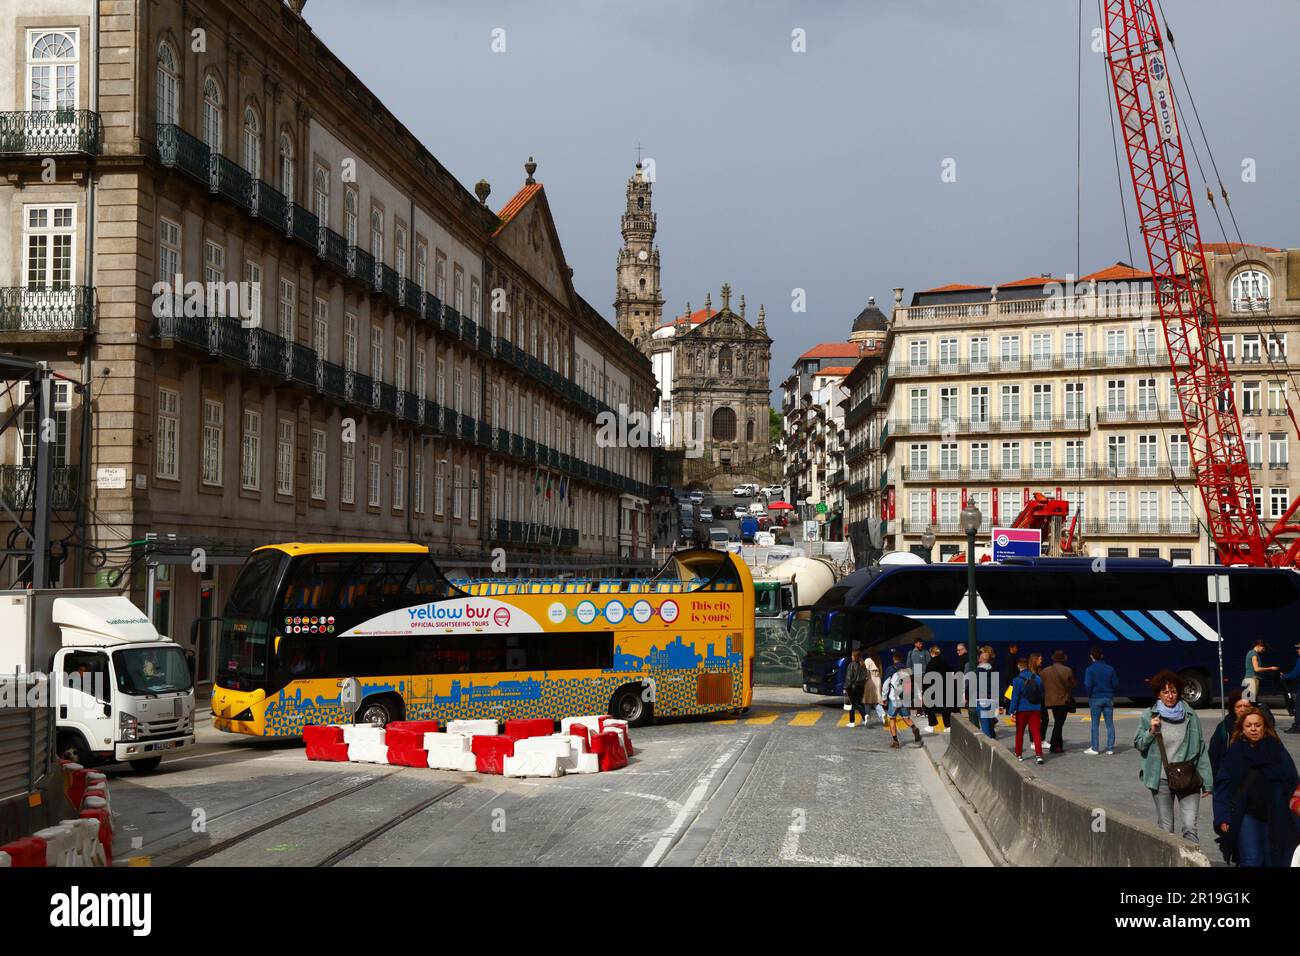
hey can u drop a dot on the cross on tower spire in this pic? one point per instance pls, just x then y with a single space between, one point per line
726 297
638 152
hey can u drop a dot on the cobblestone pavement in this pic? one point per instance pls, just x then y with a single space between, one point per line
787 784
1112 782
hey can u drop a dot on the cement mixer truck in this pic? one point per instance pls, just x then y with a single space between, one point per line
789 588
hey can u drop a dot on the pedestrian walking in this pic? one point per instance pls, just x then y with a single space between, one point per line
1027 704
871 690
1256 782
1058 698
855 681
1291 684
968 664
1255 669
1175 757
897 690
1099 683
917 658
985 693
1222 736
940 710
1010 666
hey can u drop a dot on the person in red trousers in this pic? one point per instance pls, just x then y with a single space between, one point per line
1027 704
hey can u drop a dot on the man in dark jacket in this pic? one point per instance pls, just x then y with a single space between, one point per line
1058 697
938 691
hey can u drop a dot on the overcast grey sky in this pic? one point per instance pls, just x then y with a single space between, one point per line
821 170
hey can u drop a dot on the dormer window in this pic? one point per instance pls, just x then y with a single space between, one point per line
1251 291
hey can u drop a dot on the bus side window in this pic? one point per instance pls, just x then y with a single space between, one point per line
313 581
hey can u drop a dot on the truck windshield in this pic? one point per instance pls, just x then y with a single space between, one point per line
767 600
151 670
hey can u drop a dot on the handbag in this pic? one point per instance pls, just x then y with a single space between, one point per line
1182 775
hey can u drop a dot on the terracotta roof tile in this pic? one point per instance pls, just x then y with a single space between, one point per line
835 370
520 199
832 350
1120 270
956 287
1029 281
695 317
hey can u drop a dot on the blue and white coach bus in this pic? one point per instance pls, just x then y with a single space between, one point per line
1146 614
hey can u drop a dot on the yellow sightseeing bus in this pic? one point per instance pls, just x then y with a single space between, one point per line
303 619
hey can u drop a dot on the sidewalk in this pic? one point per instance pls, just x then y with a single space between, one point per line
1112 782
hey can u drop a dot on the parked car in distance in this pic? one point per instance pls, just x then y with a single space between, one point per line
743 491
771 491
757 508
697 497
706 516
718 538
726 513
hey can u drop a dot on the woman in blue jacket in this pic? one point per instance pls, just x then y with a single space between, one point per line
1256 780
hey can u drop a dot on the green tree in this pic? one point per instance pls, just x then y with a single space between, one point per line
774 425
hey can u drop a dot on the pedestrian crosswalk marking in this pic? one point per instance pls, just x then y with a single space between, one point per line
843 721
806 718
764 718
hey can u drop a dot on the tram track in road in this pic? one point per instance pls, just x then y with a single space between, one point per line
222 845
370 836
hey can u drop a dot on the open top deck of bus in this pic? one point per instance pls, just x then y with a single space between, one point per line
696 569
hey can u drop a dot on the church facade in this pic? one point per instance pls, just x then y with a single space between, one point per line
711 366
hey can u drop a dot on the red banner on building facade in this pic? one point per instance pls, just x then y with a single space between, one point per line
934 506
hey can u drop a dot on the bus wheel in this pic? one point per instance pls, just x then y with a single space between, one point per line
1196 689
378 711
628 705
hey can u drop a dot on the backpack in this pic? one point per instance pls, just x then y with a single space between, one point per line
1031 691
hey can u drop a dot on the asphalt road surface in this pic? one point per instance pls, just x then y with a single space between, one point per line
786 784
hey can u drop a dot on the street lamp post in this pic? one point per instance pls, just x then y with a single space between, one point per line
927 541
970 523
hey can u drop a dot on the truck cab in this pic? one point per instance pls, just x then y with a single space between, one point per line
121 691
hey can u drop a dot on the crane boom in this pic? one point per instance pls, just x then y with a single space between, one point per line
1181 287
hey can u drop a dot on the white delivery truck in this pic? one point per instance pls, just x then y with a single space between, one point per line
121 691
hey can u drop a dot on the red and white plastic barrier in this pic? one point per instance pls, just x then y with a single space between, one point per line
83 840
527 748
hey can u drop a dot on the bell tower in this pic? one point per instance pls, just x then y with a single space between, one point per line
639 301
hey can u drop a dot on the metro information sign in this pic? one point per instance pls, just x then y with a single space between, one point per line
1017 543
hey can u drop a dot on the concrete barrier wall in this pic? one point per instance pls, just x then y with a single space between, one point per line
1034 823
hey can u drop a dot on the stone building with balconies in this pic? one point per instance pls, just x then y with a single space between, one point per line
280 308
1042 385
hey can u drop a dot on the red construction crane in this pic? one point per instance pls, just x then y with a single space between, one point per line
1149 122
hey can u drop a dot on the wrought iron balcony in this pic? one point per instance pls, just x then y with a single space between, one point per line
410 295
387 281
47 310
360 264
431 308
227 178
332 247
177 149
302 225
18 487
269 204
51 132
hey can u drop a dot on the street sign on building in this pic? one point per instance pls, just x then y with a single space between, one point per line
1017 543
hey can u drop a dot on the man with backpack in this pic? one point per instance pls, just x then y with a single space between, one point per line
1027 704
897 691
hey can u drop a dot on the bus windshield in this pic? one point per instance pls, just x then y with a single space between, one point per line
242 651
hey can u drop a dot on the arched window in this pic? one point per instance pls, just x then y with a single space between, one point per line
286 165
749 430
640 202
52 71
724 424
168 85
252 146
724 361
212 114
322 187
350 216
399 250
377 234
1251 291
